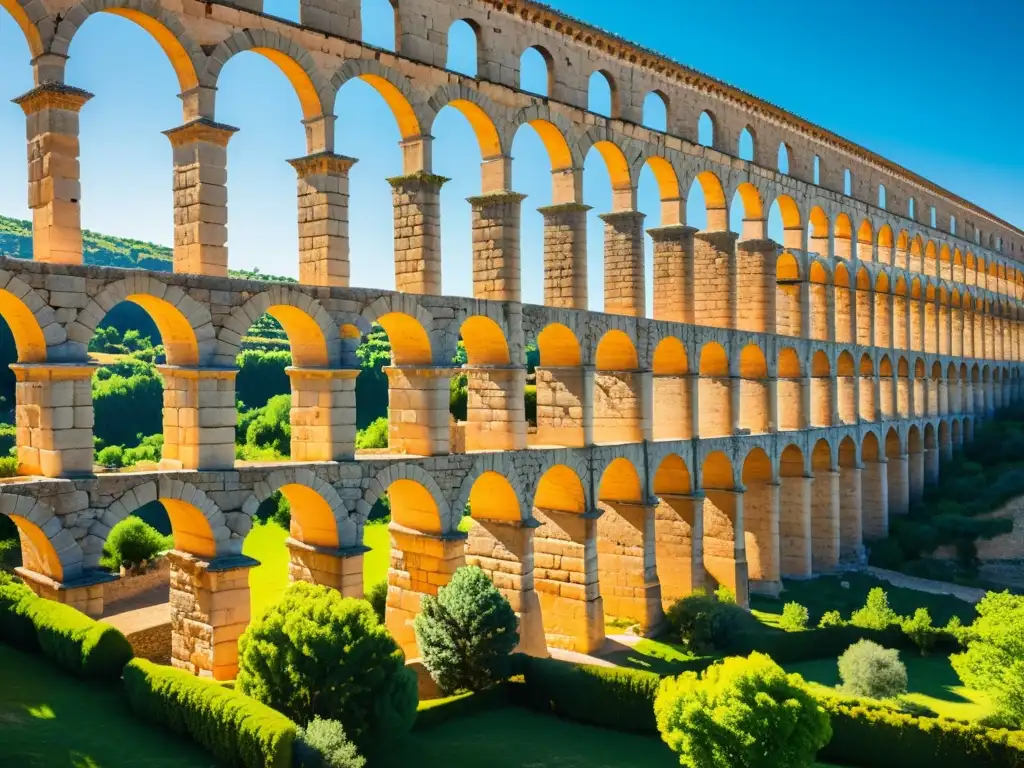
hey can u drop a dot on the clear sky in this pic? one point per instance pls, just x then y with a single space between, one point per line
936 86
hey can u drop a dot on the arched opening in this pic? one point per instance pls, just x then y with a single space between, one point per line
678 531
843 305
818 301
619 277
822 405
618 391
794 513
537 71
761 523
755 408
846 389
881 196
783 158
886 388
706 129
715 392
570 594
825 509
603 96
866 242
495 391
789 391
784 225
842 237
562 389
746 149
874 490
464 47
655 111
868 404
847 182
788 299
724 552
865 306
897 474
882 313
673 400
851 537
381 25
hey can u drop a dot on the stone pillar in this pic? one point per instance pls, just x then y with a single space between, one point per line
673 273
622 406
851 508
761 537
323 415
497 273
875 499
795 502
201 197
915 476
626 559
496 408
418 398
565 406
725 557
565 255
898 484
83 593
417 201
679 545
54 419
673 409
624 263
755 285
421 563
340 569
931 466
209 612
826 491
566 580
504 550
714 279
54 190
199 418
323 218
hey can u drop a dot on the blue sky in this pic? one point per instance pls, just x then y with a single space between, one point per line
930 86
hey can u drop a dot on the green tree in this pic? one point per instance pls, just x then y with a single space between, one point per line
876 613
317 653
467 633
994 659
741 713
272 426
868 669
261 376
127 401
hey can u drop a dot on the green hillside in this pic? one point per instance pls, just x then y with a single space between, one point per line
105 250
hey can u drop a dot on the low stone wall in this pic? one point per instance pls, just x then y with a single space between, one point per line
157 574
152 643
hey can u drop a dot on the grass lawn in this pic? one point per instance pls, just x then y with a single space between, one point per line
51 720
268 581
931 682
826 593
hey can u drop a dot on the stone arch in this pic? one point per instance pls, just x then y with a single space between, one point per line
314 91
485 341
670 190
613 155
47 547
760 520
417 502
319 516
553 129
312 334
714 201
405 102
185 325
620 481
32 321
489 499
561 489
616 352
27 15
670 358
724 551
558 347
185 54
483 115
753 211
406 322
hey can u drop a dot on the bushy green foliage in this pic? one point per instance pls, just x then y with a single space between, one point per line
879 735
831 619
703 622
994 658
608 697
530 394
272 426
741 713
868 669
467 633
261 376
127 402
794 617
237 730
276 509
8 466
324 744
131 543
920 630
112 456
8 438
377 597
374 436
16 627
317 653
458 396
876 613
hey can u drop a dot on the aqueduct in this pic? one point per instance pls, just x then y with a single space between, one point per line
784 400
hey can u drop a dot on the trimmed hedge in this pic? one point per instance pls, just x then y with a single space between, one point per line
622 699
234 728
66 636
870 733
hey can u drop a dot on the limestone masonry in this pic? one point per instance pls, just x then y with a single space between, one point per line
784 401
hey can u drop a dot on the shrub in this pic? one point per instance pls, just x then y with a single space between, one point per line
133 542
467 633
530 403
794 617
323 744
868 669
725 595
235 728
374 436
620 699
876 613
994 659
831 619
317 653
739 711
111 456
920 630
703 622
16 627
77 643
377 597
